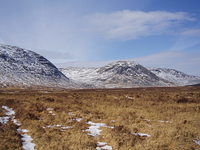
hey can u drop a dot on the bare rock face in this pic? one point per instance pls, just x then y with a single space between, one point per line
26 68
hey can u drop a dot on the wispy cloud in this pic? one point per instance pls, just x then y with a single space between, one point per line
179 55
191 33
126 24
186 39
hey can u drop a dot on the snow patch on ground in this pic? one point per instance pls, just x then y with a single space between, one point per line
16 122
94 128
197 142
22 130
50 110
9 112
141 134
71 114
27 145
103 146
128 97
78 119
26 139
4 120
162 121
58 126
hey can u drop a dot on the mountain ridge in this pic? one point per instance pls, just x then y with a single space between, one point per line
23 67
119 74
176 76
127 74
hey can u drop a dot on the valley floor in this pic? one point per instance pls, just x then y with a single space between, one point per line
101 119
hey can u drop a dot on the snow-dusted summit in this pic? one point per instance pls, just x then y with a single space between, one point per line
175 76
120 74
26 68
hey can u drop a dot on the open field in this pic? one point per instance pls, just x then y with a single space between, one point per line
65 119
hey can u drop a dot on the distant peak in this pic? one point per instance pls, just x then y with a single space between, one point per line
122 67
123 63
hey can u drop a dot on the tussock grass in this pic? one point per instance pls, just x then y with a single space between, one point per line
170 115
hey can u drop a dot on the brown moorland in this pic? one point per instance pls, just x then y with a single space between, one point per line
171 116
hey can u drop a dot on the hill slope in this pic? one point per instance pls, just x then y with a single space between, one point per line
175 76
26 68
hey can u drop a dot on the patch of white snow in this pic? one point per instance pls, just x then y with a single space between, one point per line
70 113
4 120
78 119
26 139
58 126
164 121
16 122
197 142
103 146
9 112
26 142
128 97
141 134
50 110
94 128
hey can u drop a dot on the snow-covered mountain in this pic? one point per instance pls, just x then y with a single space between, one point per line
175 76
120 74
20 67
26 68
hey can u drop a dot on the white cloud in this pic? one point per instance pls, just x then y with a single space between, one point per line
191 33
179 56
126 24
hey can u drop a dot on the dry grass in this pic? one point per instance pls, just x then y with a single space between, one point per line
127 110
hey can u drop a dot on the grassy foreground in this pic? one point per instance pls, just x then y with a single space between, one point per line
171 116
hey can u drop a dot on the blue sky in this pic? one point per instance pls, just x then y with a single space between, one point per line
155 33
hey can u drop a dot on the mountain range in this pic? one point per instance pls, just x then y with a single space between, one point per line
21 67
127 74
120 74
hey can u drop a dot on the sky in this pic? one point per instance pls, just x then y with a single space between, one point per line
154 33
